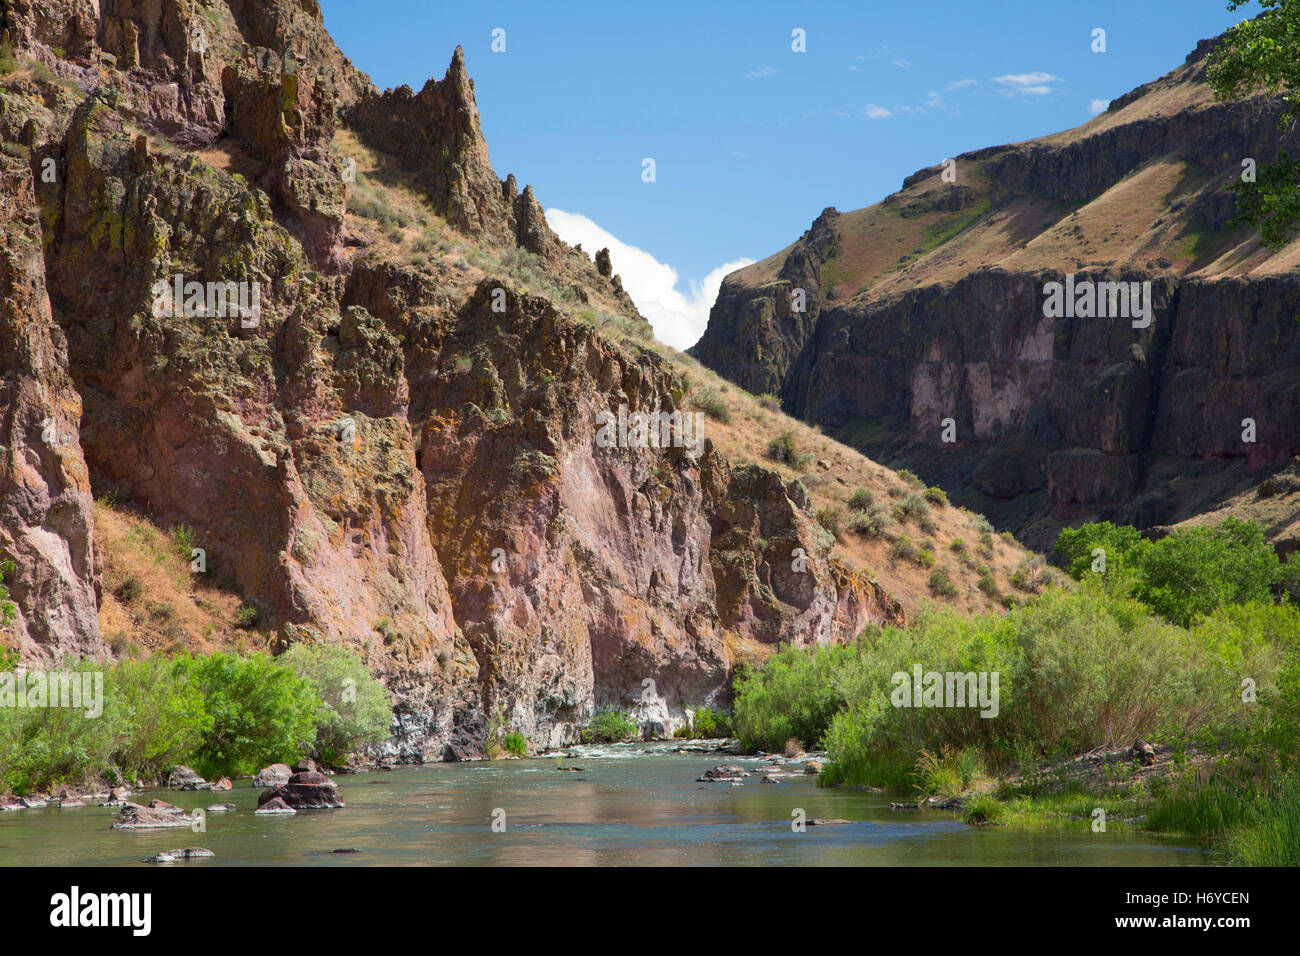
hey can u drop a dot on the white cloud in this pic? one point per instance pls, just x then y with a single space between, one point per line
962 84
762 72
876 112
1027 84
901 63
854 69
1098 106
678 318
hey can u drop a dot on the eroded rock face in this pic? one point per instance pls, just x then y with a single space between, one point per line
1054 419
45 499
370 455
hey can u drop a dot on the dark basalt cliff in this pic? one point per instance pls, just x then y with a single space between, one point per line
1056 419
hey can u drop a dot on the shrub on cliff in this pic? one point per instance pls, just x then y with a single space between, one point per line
784 448
262 712
355 710
708 400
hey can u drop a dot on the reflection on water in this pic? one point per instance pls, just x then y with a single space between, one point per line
627 807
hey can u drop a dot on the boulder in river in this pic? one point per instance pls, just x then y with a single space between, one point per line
181 777
311 790
223 784
275 805
722 772
135 817
814 766
305 765
273 775
222 808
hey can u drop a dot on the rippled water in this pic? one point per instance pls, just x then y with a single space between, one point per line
636 804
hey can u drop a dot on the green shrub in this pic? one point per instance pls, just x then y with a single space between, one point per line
936 496
832 519
941 583
862 499
262 713
794 694
516 744
609 727
871 523
707 722
355 710
708 400
988 584
1077 669
784 448
902 549
913 506
925 558
1187 574
247 617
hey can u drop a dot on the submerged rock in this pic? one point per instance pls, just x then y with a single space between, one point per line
174 856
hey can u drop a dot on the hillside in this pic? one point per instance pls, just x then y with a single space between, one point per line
930 306
392 443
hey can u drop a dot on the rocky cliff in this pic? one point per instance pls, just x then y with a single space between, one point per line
373 439
924 340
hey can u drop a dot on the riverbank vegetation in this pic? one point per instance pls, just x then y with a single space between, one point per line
1191 643
223 715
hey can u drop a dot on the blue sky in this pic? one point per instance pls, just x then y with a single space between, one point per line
750 139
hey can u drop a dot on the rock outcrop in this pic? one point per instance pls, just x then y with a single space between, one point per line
943 360
372 448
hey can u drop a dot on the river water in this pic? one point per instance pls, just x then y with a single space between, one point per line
632 804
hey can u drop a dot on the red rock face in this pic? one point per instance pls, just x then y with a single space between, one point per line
45 500
382 458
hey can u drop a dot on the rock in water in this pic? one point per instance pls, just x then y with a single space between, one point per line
723 772
275 805
181 777
311 790
273 775
135 817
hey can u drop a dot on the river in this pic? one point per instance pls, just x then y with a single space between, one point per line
633 804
